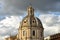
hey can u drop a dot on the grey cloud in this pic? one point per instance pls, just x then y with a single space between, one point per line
11 11
44 5
2 17
54 21
8 31
18 7
51 24
11 28
50 20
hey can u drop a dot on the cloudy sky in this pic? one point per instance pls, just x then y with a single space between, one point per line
13 11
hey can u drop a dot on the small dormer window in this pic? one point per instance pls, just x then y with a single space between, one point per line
24 21
33 21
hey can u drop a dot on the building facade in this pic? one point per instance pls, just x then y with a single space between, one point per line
31 27
11 38
53 37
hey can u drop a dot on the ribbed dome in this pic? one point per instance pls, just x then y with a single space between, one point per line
31 22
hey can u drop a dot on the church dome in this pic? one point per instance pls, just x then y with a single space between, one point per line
30 20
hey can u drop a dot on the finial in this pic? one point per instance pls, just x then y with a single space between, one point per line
30 9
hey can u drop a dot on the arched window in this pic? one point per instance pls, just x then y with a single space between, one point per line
33 21
41 34
33 33
24 21
23 33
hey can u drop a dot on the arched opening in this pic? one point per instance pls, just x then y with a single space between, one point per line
33 33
